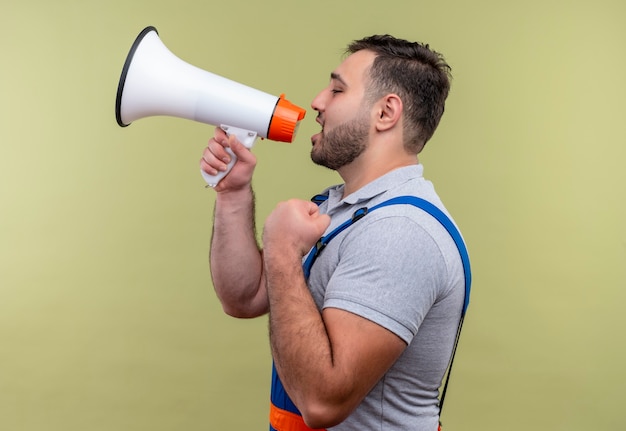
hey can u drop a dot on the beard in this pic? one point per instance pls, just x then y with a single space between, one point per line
342 145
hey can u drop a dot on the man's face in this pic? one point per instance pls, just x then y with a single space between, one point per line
342 113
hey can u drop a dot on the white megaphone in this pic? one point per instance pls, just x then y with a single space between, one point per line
156 82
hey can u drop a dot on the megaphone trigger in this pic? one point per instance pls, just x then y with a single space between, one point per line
246 137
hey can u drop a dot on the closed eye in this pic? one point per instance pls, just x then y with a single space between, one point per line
337 83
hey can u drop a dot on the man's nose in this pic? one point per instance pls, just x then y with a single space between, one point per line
318 102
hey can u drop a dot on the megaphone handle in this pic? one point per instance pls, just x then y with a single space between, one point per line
246 137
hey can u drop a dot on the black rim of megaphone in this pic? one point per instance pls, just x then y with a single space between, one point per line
129 60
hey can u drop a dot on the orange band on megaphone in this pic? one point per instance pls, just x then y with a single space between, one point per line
284 123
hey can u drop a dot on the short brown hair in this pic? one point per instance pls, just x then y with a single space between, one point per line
417 74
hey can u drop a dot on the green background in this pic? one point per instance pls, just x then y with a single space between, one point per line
107 316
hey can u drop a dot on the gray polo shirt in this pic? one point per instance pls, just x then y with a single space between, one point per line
399 268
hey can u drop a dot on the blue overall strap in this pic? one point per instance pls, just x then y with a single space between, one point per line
321 243
410 200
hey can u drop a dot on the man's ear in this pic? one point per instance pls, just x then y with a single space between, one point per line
389 111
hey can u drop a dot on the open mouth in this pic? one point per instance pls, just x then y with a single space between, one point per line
316 137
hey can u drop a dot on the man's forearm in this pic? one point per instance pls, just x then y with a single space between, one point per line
301 347
235 257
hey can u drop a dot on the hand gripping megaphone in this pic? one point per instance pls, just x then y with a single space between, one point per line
156 82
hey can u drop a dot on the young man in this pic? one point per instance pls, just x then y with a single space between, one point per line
362 343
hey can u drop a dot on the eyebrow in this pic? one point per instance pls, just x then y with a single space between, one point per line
337 77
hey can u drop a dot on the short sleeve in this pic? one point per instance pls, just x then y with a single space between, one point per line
389 271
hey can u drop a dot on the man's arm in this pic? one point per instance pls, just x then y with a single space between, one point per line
235 257
327 362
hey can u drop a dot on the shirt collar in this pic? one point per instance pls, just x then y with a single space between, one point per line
376 187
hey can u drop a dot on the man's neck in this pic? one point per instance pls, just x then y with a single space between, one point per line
356 175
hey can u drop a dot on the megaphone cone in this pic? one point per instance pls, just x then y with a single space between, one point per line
156 82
